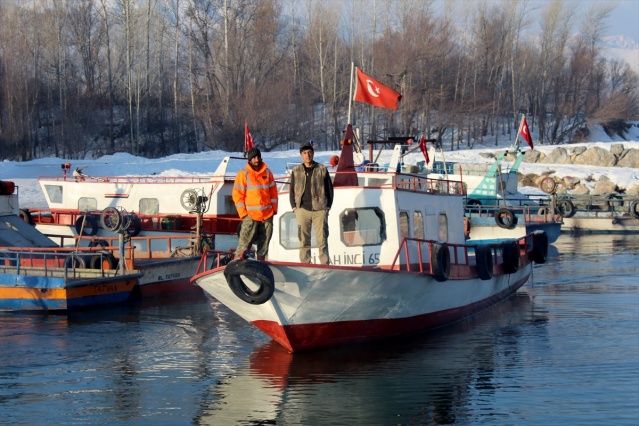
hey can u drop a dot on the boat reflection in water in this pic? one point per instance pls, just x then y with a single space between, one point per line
425 378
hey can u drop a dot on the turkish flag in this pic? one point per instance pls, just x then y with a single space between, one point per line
422 147
524 131
375 93
248 139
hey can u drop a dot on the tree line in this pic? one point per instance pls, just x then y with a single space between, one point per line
158 77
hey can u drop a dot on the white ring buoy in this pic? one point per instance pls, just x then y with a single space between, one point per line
257 271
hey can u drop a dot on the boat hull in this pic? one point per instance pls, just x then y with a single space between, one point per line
602 224
315 306
47 293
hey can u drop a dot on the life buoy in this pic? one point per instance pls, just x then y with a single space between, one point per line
540 246
75 261
135 225
566 208
110 219
103 261
505 218
441 262
257 271
25 215
90 227
510 256
548 185
634 209
484 262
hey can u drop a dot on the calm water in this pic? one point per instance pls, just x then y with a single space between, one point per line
563 351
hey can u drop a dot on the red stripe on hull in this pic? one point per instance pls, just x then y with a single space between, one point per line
305 337
180 286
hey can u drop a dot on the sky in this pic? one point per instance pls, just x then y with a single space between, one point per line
25 174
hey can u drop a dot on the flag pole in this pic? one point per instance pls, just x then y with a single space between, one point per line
350 95
521 123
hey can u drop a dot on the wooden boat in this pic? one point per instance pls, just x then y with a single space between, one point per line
400 265
36 274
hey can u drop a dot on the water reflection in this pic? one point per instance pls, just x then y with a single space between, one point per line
423 379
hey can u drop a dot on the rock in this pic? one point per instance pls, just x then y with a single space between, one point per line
634 190
557 156
596 155
571 181
604 187
487 154
580 189
616 149
533 156
630 158
578 150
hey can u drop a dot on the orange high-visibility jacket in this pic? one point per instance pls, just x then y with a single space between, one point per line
255 193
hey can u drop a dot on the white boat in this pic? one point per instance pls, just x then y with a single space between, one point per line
160 205
399 265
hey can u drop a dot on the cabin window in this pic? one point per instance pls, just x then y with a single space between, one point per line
362 227
289 232
149 206
54 192
418 225
404 226
443 227
86 204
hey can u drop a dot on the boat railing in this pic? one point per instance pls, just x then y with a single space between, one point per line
420 256
530 214
57 262
140 179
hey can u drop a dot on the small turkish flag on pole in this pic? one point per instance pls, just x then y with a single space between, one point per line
524 131
248 139
422 147
375 93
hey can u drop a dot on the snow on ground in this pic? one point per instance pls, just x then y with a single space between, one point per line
25 174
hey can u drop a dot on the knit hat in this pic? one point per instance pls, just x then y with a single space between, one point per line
254 152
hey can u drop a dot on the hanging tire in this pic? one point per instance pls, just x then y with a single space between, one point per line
441 262
473 204
540 247
257 271
90 225
566 208
135 225
75 262
484 262
25 215
634 209
110 219
510 256
505 218
104 261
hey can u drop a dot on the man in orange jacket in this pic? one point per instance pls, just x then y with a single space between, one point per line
255 198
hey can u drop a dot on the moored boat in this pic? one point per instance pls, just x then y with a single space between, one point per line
399 265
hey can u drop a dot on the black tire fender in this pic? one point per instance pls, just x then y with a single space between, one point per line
25 215
634 209
440 262
75 261
566 208
135 226
505 218
484 262
257 271
510 256
90 225
540 246
104 260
